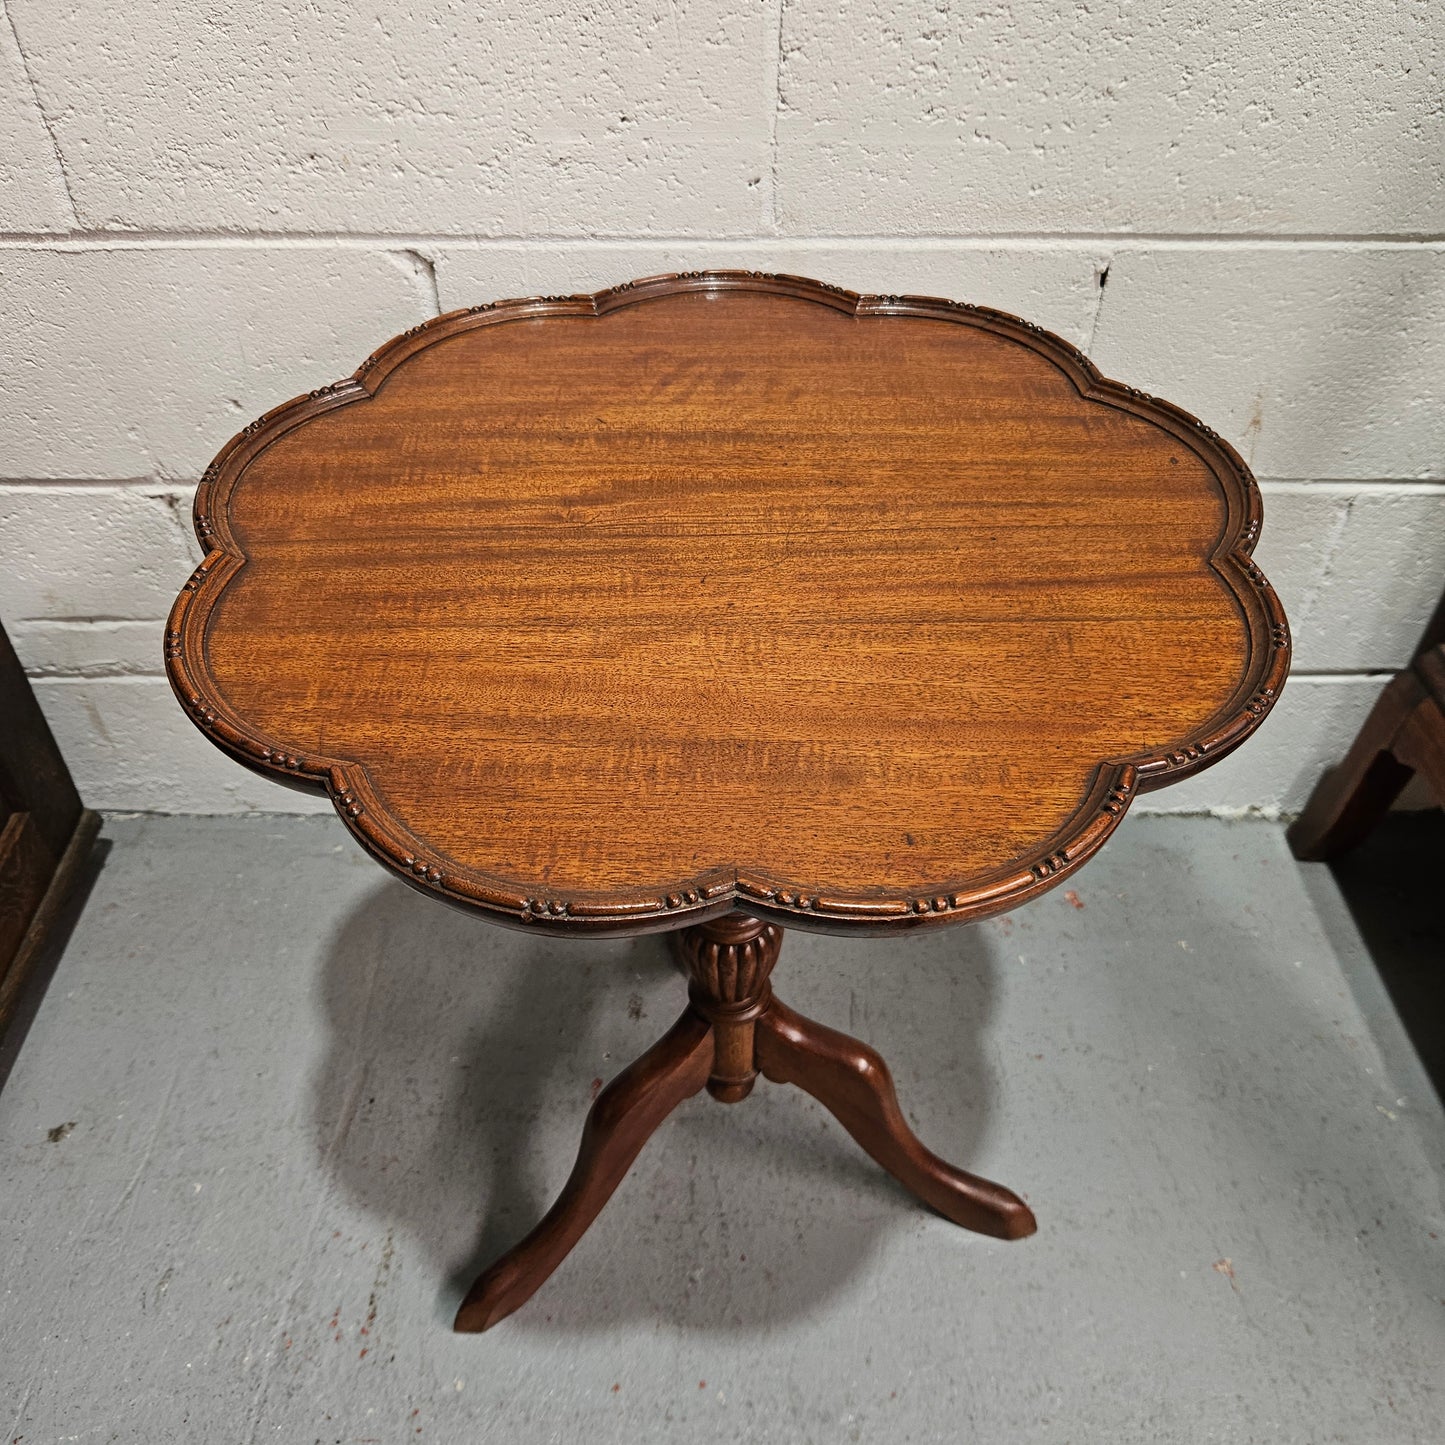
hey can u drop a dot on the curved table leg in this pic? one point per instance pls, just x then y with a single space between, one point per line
853 1083
621 1121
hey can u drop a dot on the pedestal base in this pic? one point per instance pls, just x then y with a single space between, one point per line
733 1030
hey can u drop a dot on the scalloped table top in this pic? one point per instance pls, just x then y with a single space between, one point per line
615 612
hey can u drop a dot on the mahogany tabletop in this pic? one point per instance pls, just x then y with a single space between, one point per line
724 590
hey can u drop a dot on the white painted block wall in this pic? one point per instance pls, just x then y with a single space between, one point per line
206 209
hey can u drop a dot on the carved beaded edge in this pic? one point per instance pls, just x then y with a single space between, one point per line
1115 783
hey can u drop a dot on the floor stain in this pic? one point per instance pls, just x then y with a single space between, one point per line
1226 1268
383 1273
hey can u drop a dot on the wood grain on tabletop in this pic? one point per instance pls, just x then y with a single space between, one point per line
730 579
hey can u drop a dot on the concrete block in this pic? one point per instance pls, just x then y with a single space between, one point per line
1301 526
1162 117
1310 728
1359 571
1315 363
92 553
130 748
143 362
471 120
49 648
1056 287
32 185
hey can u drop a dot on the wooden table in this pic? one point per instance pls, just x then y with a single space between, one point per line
720 602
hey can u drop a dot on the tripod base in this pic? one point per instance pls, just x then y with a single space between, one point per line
732 1030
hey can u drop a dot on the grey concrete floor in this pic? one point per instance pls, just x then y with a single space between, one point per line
275 1108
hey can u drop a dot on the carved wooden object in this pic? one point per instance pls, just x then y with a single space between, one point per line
734 1029
729 962
902 591
621 1121
729 599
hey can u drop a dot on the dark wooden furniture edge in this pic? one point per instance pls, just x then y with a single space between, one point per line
46 833
675 903
1404 734
69 873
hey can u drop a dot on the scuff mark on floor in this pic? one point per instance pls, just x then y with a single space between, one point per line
127 1195
383 1273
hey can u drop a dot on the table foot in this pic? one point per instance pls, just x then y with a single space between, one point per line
623 1118
852 1082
